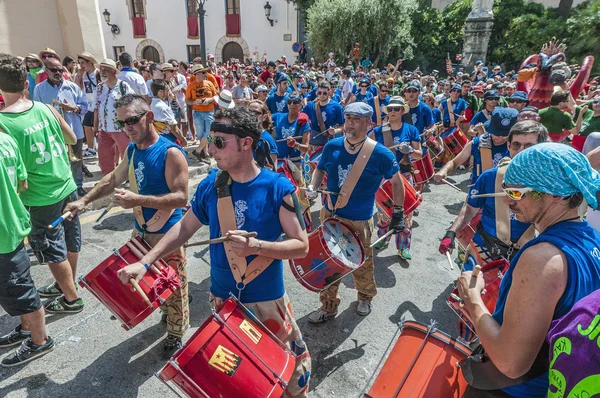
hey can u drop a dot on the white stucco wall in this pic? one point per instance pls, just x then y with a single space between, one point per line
166 25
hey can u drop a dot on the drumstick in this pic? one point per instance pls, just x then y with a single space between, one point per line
105 211
452 185
450 260
285 139
144 251
489 195
139 255
133 282
221 239
325 132
323 191
474 275
388 233
59 220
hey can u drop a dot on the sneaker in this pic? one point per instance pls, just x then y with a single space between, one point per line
15 337
321 315
198 155
52 290
415 212
87 152
26 352
405 254
60 306
364 307
87 172
81 192
381 244
171 344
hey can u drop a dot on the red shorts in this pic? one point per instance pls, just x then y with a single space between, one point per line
558 137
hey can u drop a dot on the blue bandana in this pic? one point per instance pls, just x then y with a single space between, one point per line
555 169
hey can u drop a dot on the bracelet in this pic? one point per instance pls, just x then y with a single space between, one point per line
146 266
259 247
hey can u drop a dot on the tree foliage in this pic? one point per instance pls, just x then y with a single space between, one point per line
382 27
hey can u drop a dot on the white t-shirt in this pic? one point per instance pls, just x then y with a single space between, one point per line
347 87
163 113
135 81
180 96
105 104
90 81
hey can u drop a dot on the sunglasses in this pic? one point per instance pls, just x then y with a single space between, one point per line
493 99
294 102
383 91
412 90
394 108
516 193
46 56
596 102
54 70
130 121
515 101
218 141
363 86
32 61
322 93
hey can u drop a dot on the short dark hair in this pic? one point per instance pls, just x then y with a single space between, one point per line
13 74
325 84
464 82
157 85
136 101
67 60
184 64
346 72
241 117
529 127
575 200
172 60
271 63
153 67
125 59
558 97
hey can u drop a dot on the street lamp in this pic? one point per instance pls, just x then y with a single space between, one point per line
113 27
267 8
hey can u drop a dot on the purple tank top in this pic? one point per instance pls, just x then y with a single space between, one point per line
574 343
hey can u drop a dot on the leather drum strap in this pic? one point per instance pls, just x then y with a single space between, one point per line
388 138
159 219
451 111
320 117
486 161
357 169
377 110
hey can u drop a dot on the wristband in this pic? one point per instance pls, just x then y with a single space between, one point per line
146 266
259 247
450 234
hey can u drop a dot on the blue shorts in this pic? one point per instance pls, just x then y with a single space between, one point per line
202 122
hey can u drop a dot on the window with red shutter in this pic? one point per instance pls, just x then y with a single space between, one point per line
138 18
192 19
232 18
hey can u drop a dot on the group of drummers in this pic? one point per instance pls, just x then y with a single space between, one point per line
366 160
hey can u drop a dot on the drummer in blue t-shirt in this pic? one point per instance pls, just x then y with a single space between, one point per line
341 162
261 201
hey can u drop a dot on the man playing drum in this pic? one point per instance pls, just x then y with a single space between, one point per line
453 114
243 197
404 141
157 171
487 149
355 167
500 234
324 116
545 185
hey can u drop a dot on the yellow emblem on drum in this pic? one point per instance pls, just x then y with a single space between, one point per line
225 361
250 331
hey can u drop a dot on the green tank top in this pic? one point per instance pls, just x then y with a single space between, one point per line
43 151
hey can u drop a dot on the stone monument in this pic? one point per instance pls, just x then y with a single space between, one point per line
478 31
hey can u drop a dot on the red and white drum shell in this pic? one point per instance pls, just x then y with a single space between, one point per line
231 355
335 250
125 304
385 199
455 140
421 365
434 147
282 168
423 170
466 234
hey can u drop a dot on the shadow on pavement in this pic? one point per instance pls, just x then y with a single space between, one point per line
199 308
454 208
118 222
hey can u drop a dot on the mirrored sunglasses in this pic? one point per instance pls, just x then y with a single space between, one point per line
130 121
218 141
516 193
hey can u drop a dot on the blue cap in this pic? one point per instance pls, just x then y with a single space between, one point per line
297 75
359 109
364 81
280 77
491 94
502 121
456 87
520 95
413 84
294 96
479 62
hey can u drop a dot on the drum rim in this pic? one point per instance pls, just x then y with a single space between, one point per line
445 337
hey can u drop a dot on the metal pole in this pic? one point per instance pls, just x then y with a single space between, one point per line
201 14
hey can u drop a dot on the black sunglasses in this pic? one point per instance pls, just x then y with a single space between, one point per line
54 70
219 141
512 101
493 98
363 86
294 102
412 90
394 108
322 93
383 91
130 121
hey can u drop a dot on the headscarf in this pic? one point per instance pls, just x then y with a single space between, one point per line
555 169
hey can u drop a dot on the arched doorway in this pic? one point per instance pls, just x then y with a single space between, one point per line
151 54
233 50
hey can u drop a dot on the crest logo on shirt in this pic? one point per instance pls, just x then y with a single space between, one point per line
413 117
139 173
343 174
505 122
397 141
497 158
512 216
287 132
324 116
240 207
473 192
280 105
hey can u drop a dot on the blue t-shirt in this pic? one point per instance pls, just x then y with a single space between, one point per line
149 167
364 97
289 90
498 152
579 243
337 163
437 115
333 115
312 94
277 103
256 205
284 129
382 103
406 133
458 107
479 118
486 183
421 117
373 90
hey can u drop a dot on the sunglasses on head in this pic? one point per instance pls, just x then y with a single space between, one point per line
219 141
54 70
394 108
130 121
516 193
515 101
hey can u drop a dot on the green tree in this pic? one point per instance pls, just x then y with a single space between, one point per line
584 33
378 25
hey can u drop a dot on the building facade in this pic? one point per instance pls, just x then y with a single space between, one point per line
158 30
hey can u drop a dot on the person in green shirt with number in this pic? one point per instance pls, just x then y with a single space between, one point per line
41 134
559 123
18 295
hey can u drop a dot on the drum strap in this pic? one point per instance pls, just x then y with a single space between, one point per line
486 159
451 111
243 273
377 110
355 172
161 216
388 138
320 116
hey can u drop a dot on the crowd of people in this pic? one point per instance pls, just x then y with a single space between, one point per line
281 135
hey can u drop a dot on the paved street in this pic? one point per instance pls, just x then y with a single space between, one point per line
95 357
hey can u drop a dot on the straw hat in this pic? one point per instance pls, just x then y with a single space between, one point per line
225 99
48 50
109 63
88 57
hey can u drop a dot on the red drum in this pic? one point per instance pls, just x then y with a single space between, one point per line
455 140
127 305
335 250
434 148
465 235
423 170
282 168
422 363
385 199
231 355
492 274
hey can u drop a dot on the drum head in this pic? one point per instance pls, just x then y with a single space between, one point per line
343 243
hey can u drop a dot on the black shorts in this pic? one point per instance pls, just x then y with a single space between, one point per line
88 119
51 245
18 295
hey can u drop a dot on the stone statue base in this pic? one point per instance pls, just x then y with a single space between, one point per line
478 30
